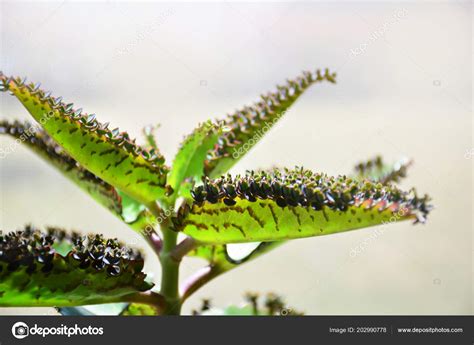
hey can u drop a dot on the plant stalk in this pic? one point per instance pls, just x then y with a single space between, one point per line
183 248
199 279
169 273
169 266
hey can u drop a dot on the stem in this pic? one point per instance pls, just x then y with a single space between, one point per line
154 241
183 248
169 272
196 281
169 266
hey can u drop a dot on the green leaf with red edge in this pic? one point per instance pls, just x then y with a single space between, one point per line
290 204
245 127
108 154
217 255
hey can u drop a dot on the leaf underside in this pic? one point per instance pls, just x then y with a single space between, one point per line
108 154
189 161
245 127
95 270
291 204
122 206
41 143
218 257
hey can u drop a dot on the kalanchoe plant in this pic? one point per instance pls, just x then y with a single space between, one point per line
194 196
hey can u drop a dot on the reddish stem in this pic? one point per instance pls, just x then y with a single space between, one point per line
197 280
184 247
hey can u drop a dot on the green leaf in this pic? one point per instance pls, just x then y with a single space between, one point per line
221 262
131 209
94 271
231 310
144 220
108 154
249 124
119 203
136 309
217 255
63 242
291 204
219 258
189 161
376 170
41 143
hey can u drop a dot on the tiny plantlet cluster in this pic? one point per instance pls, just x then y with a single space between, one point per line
194 196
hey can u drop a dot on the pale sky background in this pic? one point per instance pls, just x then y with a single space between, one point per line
404 90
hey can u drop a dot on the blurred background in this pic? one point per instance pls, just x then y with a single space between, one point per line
403 90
